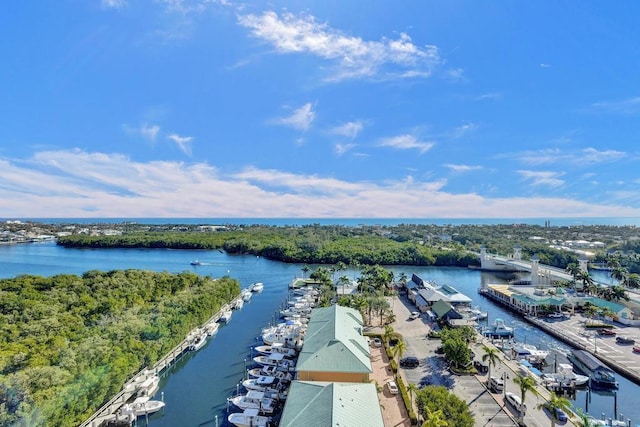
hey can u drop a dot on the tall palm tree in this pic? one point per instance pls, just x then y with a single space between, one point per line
555 402
490 355
526 384
412 389
398 350
305 270
388 334
573 269
587 281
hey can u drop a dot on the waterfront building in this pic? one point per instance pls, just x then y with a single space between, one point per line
424 294
327 404
334 348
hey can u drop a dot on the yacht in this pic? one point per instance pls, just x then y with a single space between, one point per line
140 407
257 287
601 375
275 349
226 316
565 376
248 418
254 400
498 330
199 341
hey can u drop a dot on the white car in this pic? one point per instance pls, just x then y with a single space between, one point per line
414 315
392 386
376 342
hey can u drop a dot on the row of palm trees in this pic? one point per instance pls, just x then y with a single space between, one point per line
609 293
527 384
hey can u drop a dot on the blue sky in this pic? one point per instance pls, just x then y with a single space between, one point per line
417 109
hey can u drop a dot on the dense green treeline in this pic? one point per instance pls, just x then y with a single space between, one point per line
318 245
68 343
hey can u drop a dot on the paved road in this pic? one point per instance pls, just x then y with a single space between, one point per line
488 408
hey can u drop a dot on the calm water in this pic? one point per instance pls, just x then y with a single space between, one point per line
196 388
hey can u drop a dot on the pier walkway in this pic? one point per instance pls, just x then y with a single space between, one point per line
109 411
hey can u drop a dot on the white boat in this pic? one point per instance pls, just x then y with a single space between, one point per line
140 407
566 376
275 349
254 400
248 418
516 350
263 383
212 328
498 330
275 360
196 262
199 341
226 316
148 387
307 290
257 287
478 314
246 295
270 371
239 303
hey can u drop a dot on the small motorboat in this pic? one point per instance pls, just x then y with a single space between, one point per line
141 406
199 341
248 418
257 287
196 262
636 349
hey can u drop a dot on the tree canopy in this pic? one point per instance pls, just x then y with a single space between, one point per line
68 343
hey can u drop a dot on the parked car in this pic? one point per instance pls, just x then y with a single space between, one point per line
496 384
560 415
606 332
414 315
514 400
409 362
376 342
625 340
392 386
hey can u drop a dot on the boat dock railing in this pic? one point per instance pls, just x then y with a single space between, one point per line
109 410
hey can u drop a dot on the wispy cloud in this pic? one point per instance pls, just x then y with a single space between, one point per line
352 57
406 142
489 96
584 157
343 148
84 184
543 65
183 142
301 118
463 130
145 130
630 106
542 178
113 4
349 129
462 168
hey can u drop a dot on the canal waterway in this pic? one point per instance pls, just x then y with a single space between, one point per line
196 388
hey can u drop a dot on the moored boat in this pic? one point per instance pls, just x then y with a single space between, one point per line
498 330
254 400
141 406
275 349
257 287
248 418
565 376
262 383
636 349
600 374
226 316
199 341
271 371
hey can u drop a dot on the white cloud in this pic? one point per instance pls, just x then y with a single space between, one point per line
462 168
540 178
343 148
461 131
183 142
545 66
145 130
113 4
629 106
349 129
489 96
406 142
75 183
301 118
585 157
351 56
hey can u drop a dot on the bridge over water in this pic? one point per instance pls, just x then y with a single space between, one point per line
541 274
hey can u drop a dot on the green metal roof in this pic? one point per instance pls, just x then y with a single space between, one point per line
441 308
324 404
603 303
334 342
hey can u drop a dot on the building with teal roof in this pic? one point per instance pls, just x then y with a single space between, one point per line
334 348
332 404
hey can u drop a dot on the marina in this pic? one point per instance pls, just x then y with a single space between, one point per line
195 389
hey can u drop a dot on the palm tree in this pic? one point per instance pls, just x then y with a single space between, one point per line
587 281
490 355
526 384
398 350
411 388
435 419
343 281
632 281
305 270
388 334
589 310
573 269
584 419
555 402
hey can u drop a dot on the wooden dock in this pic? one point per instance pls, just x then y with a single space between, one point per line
109 411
